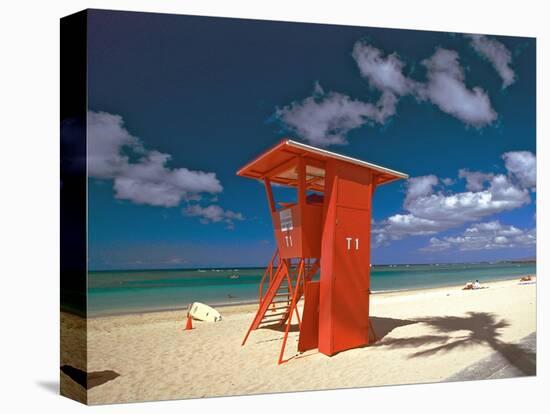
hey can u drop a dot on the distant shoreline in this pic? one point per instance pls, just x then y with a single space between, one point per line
254 302
517 261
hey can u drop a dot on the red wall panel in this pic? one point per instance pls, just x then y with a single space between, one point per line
345 261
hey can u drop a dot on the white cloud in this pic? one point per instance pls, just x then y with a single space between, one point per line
325 118
436 245
522 165
383 73
147 179
146 192
150 181
400 225
430 211
106 138
420 186
475 180
446 89
213 214
445 85
466 206
496 53
485 236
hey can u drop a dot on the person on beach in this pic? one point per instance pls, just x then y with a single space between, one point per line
477 285
525 278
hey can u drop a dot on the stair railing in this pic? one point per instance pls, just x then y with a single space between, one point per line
268 272
292 309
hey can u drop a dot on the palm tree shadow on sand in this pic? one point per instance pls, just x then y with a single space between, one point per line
481 329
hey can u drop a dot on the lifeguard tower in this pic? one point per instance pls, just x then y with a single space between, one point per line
327 228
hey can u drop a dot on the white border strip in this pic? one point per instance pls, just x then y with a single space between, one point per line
345 158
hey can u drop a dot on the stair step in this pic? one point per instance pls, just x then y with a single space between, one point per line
269 323
280 317
279 307
269 315
281 301
274 312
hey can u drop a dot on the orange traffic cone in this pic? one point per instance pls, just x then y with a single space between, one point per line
189 324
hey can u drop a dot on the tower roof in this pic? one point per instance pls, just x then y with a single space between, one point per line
278 164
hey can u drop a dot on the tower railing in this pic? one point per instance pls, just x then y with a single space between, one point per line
268 274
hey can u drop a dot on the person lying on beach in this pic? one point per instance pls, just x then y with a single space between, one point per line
474 285
525 278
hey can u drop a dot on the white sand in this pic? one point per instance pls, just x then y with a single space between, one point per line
157 359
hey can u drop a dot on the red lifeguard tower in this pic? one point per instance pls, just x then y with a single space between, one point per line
327 228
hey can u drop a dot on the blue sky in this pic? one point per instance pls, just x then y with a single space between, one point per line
177 104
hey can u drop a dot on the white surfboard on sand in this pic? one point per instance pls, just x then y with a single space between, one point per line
203 312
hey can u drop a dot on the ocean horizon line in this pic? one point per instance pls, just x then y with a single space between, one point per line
159 269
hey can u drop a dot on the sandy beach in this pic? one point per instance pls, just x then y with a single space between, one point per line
424 336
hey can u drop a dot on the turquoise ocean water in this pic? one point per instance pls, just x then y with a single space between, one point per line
112 292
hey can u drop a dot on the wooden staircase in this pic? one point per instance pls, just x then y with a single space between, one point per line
277 312
286 283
